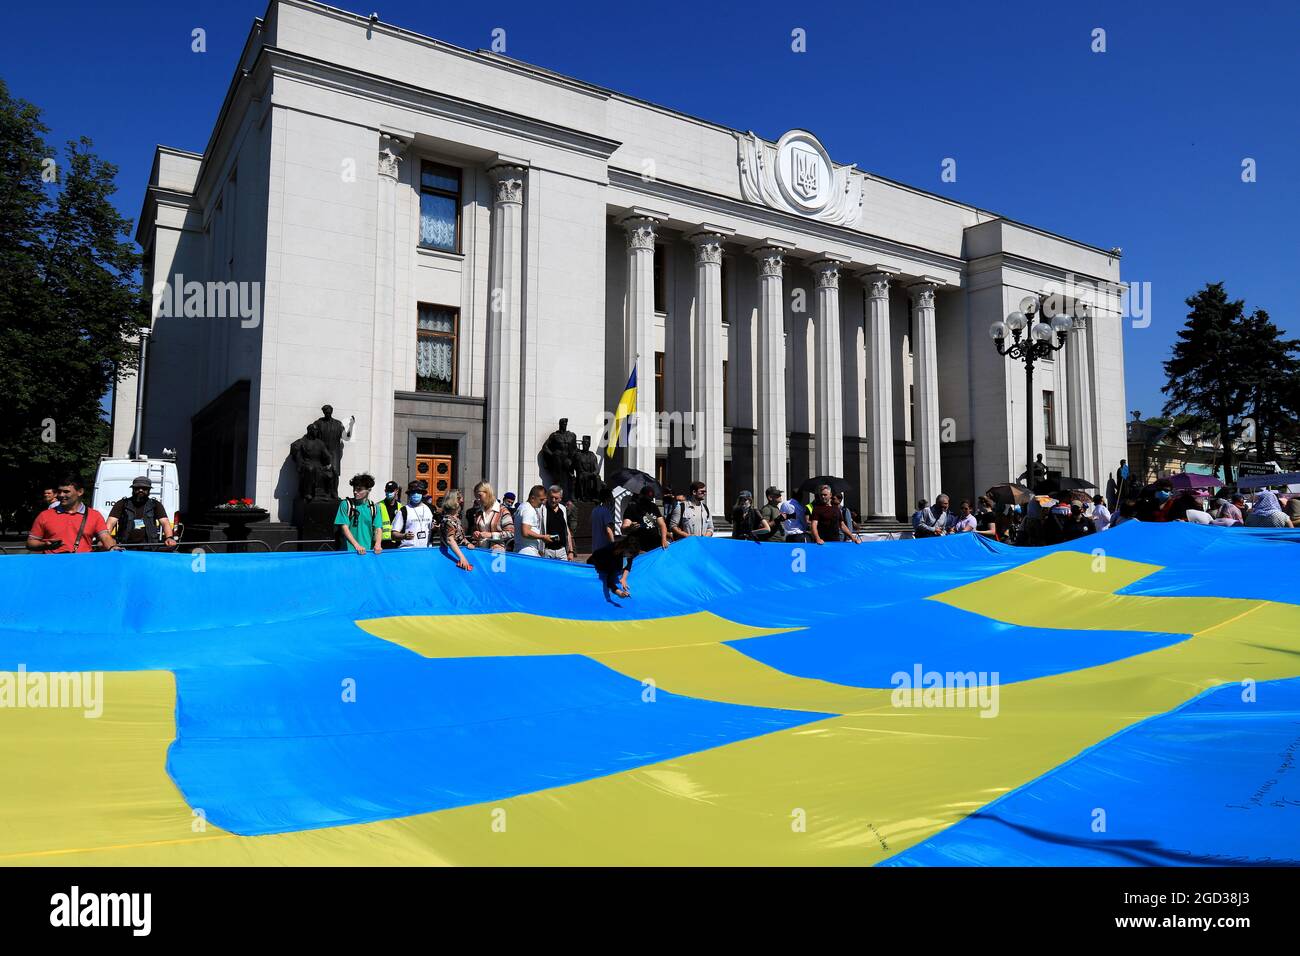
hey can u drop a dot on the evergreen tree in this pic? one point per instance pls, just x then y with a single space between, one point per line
1270 376
70 303
1207 373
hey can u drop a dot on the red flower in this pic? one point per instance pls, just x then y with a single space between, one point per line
247 501
232 501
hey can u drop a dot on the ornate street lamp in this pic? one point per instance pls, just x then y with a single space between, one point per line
1044 321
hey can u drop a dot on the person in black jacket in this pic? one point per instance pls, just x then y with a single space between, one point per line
140 519
747 522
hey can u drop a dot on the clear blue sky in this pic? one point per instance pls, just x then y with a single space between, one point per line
1138 147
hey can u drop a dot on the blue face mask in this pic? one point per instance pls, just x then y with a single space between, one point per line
1162 496
416 497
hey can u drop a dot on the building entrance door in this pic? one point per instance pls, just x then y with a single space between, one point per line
435 462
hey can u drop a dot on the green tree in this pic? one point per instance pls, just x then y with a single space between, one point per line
1208 372
70 303
1271 377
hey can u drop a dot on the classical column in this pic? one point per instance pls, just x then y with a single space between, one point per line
771 368
384 328
880 399
502 465
828 421
1078 382
706 465
639 338
925 377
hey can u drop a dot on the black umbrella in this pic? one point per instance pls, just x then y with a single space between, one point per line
1009 494
813 485
1064 484
634 480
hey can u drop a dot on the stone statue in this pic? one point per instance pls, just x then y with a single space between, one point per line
316 474
331 431
558 456
586 467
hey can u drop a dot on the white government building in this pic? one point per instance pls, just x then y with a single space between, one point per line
458 249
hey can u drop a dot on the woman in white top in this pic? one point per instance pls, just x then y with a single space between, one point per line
490 523
966 521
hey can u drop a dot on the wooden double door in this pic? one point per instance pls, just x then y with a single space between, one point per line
435 463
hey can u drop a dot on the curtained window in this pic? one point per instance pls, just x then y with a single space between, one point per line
435 352
440 207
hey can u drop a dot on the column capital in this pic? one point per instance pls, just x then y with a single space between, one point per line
640 232
708 247
827 272
923 290
390 155
877 279
771 259
508 181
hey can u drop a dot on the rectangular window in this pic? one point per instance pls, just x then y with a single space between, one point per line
439 207
1049 418
661 290
659 382
435 349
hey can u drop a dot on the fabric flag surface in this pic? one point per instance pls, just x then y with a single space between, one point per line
626 407
1129 699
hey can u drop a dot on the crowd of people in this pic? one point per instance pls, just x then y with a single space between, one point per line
626 523
623 524
540 525
1054 518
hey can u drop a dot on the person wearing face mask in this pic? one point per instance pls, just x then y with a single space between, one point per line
747 522
140 519
388 511
413 524
357 519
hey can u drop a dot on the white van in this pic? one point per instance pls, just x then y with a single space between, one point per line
114 477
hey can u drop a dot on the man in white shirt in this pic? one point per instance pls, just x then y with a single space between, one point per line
413 523
1100 513
531 537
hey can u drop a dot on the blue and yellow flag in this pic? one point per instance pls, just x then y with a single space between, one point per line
983 705
626 406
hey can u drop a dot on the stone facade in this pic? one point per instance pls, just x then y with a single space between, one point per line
593 230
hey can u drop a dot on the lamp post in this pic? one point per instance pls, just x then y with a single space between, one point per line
1032 323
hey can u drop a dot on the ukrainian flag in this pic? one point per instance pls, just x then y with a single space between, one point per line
626 406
